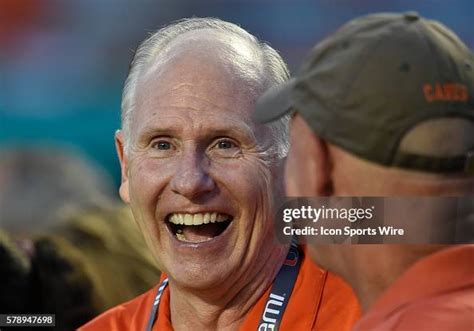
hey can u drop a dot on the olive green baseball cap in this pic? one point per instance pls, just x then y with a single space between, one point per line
395 89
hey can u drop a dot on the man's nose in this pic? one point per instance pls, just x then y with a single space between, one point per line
192 179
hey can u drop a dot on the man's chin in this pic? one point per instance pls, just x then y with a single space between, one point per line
197 265
199 276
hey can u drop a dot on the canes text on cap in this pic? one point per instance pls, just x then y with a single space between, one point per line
445 92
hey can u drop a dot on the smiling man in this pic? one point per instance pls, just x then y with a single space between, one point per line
203 179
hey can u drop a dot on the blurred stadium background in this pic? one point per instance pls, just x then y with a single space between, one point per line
63 63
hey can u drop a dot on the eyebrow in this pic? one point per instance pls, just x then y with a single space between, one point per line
241 130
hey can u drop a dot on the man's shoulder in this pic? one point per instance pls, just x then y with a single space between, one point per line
447 311
124 316
450 311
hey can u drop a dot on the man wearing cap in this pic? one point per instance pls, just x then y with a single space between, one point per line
385 107
202 179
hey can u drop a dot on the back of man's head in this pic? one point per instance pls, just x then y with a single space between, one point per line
390 98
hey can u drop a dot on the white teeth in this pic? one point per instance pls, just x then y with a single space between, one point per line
176 219
213 217
188 219
206 218
198 218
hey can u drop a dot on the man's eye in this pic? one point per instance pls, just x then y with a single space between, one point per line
225 148
225 144
162 145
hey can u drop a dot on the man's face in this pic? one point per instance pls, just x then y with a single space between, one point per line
198 176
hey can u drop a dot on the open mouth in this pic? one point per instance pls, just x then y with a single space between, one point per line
199 227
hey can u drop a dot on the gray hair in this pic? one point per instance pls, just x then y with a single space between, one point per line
275 70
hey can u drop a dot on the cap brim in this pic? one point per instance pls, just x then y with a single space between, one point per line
275 102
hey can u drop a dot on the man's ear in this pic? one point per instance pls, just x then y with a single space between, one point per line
123 158
308 166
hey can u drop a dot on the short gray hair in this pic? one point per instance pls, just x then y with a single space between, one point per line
275 70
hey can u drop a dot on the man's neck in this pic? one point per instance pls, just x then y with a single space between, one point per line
223 308
376 267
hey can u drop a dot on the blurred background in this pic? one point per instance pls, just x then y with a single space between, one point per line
67 246
63 63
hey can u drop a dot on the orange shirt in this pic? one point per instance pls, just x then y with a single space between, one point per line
436 293
320 301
